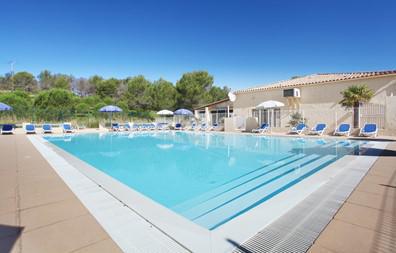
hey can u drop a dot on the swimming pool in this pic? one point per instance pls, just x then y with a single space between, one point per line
209 178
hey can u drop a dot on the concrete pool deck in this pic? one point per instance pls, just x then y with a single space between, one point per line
20 157
38 212
367 220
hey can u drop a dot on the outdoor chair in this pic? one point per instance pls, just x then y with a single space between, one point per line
47 128
369 130
299 129
115 127
343 129
67 128
30 128
318 129
7 129
263 128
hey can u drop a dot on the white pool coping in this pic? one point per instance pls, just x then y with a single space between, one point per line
176 232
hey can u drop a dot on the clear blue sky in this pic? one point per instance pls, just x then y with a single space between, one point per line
242 43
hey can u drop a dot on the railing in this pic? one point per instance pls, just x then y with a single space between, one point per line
373 113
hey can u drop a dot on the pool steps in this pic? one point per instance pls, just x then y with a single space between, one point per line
230 199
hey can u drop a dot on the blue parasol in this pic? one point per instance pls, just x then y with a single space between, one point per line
110 109
183 112
5 107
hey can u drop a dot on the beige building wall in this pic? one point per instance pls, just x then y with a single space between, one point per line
320 102
390 115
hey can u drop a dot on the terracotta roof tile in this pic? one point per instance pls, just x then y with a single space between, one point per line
318 79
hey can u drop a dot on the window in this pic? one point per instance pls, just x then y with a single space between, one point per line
271 116
218 115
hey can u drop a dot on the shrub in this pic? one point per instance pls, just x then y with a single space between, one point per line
296 118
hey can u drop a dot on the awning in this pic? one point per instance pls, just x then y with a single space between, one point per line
270 104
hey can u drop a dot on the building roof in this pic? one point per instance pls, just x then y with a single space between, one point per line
318 79
212 104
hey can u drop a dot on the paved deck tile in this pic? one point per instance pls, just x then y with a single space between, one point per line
38 212
367 217
380 202
51 213
65 236
105 246
343 237
367 220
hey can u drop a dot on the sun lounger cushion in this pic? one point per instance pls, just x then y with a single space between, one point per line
7 128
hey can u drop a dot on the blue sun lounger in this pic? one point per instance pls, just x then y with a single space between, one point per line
127 126
215 127
163 126
144 127
152 126
178 126
318 129
263 128
7 129
115 127
67 128
135 127
203 127
369 130
301 127
47 128
193 126
343 129
30 128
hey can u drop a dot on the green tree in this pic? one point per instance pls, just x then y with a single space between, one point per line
6 82
91 101
24 81
82 108
84 87
95 80
106 88
46 80
164 95
122 89
98 106
124 106
192 87
108 101
353 97
216 93
54 104
20 101
138 93
62 82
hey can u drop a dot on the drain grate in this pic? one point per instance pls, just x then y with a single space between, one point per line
297 229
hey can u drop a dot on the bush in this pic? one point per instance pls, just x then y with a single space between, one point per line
82 108
20 102
296 118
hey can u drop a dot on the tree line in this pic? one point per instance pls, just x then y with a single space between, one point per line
52 96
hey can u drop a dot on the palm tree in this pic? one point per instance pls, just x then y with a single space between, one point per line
353 97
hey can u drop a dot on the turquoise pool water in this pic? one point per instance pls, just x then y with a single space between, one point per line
209 178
